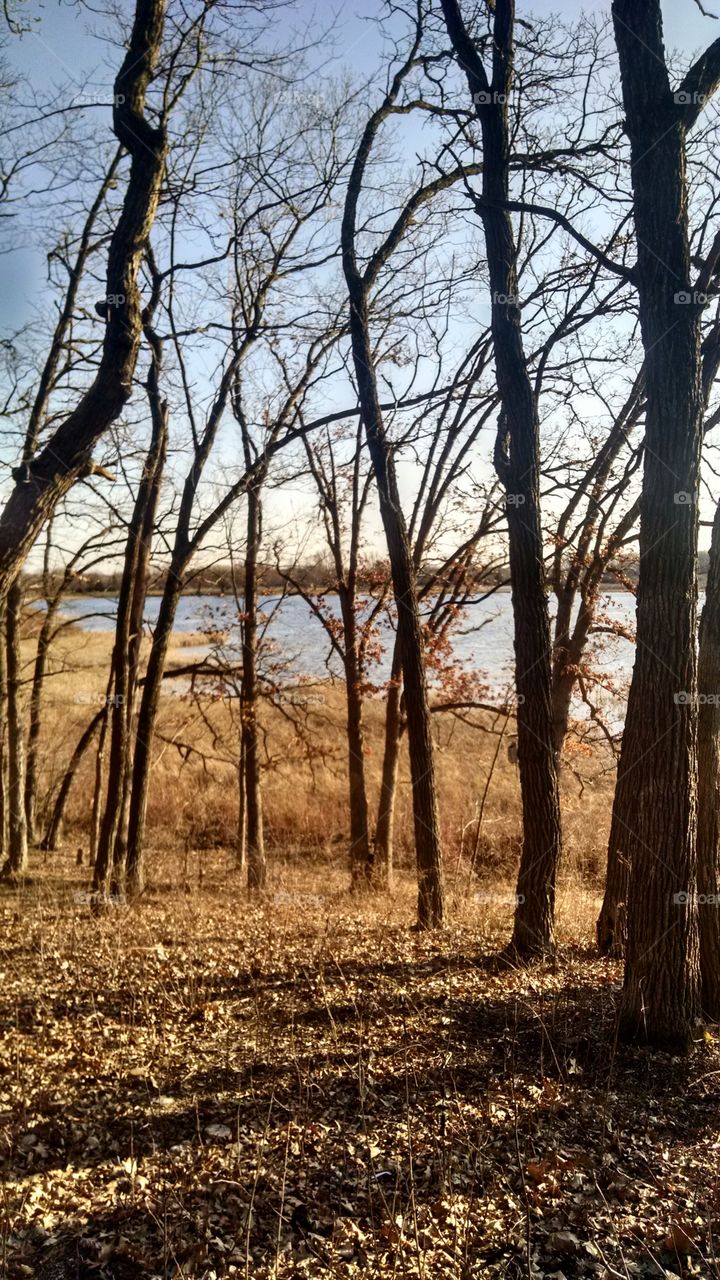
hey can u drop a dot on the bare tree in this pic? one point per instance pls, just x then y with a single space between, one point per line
41 481
361 281
518 464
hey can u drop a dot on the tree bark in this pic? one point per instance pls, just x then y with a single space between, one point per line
241 836
660 1000
17 853
361 859
517 461
255 842
33 740
53 837
385 826
110 856
4 779
708 878
145 726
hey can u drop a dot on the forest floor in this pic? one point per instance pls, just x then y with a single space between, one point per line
303 1086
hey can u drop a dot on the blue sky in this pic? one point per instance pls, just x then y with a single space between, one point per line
65 48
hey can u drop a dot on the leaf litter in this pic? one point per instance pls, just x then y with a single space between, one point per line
303 1086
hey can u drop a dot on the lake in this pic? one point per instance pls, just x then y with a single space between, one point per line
482 641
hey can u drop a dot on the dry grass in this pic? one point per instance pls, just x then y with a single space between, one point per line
301 1086
193 799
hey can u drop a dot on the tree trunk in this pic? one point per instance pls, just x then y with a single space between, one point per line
17 855
568 648
660 1001
519 471
361 859
33 741
611 926
128 634
96 810
144 729
4 779
53 837
255 842
708 878
241 835
385 827
431 890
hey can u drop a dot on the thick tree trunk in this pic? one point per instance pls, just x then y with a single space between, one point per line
17 853
255 842
385 827
660 1001
4 779
708 878
519 470
53 837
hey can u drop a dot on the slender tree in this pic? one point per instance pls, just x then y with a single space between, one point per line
518 464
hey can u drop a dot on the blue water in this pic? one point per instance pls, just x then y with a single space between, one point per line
296 645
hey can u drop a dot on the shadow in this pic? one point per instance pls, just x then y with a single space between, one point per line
363 1093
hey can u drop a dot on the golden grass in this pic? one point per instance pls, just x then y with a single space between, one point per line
193 798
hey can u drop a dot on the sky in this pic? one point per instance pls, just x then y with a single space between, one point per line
64 47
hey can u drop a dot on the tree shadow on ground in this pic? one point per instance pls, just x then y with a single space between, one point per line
362 1106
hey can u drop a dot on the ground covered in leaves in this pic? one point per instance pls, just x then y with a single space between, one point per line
304 1086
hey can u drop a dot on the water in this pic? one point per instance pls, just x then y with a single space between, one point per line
296 644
